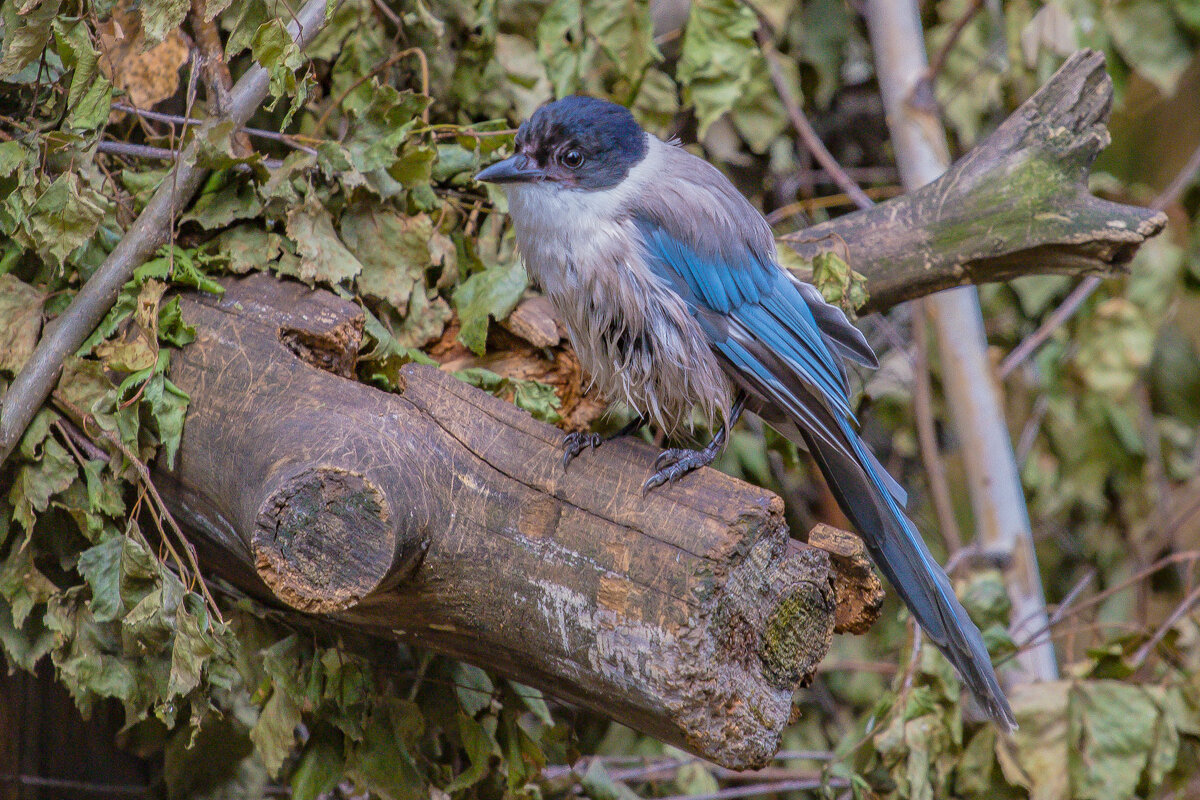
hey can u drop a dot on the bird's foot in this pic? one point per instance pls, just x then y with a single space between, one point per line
575 443
673 464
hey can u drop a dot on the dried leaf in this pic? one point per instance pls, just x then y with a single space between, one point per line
20 322
323 256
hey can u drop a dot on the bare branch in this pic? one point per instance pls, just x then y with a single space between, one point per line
151 230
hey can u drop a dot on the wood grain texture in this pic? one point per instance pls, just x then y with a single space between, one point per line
443 515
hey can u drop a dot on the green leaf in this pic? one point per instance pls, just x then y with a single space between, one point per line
251 15
384 762
274 48
234 199
168 408
64 217
171 326
838 283
100 566
23 584
1147 37
563 47
482 751
493 293
90 94
24 644
1115 347
160 17
36 483
26 33
247 247
473 687
321 764
538 398
274 734
624 30
392 248
1113 726
532 699
191 649
718 57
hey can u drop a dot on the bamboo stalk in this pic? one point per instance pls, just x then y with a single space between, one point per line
997 498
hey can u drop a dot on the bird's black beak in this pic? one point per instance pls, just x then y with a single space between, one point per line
514 169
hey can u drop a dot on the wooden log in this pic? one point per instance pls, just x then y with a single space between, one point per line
442 514
1018 204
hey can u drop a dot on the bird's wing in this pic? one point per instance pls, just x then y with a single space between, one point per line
761 323
763 309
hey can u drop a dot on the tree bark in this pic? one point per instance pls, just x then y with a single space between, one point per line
1018 204
443 515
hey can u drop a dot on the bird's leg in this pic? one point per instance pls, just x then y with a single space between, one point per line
575 443
673 464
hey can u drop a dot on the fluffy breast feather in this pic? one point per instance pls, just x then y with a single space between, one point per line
633 333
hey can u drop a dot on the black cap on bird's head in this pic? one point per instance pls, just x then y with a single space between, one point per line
580 142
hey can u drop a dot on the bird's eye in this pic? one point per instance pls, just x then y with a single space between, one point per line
572 159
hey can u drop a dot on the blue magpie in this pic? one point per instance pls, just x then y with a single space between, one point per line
669 285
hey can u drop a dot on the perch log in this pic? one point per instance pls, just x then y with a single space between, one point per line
443 514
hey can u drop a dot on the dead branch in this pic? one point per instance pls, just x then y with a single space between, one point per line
1018 204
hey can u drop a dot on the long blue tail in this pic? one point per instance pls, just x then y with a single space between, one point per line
897 547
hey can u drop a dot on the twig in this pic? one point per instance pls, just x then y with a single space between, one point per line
78 439
559 771
1072 596
755 789
144 475
162 153
392 16
854 665
1041 407
260 133
1100 597
811 204
217 79
931 454
939 59
800 122
1144 651
151 229
78 787
1084 290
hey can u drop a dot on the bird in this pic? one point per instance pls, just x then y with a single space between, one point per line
669 285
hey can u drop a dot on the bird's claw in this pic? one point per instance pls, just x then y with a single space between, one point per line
671 465
575 443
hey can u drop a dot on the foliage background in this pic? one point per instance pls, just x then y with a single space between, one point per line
387 116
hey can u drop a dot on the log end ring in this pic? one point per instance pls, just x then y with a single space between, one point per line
323 539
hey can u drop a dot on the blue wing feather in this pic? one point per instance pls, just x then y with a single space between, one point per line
759 295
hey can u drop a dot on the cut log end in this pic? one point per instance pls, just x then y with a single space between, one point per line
797 630
324 540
